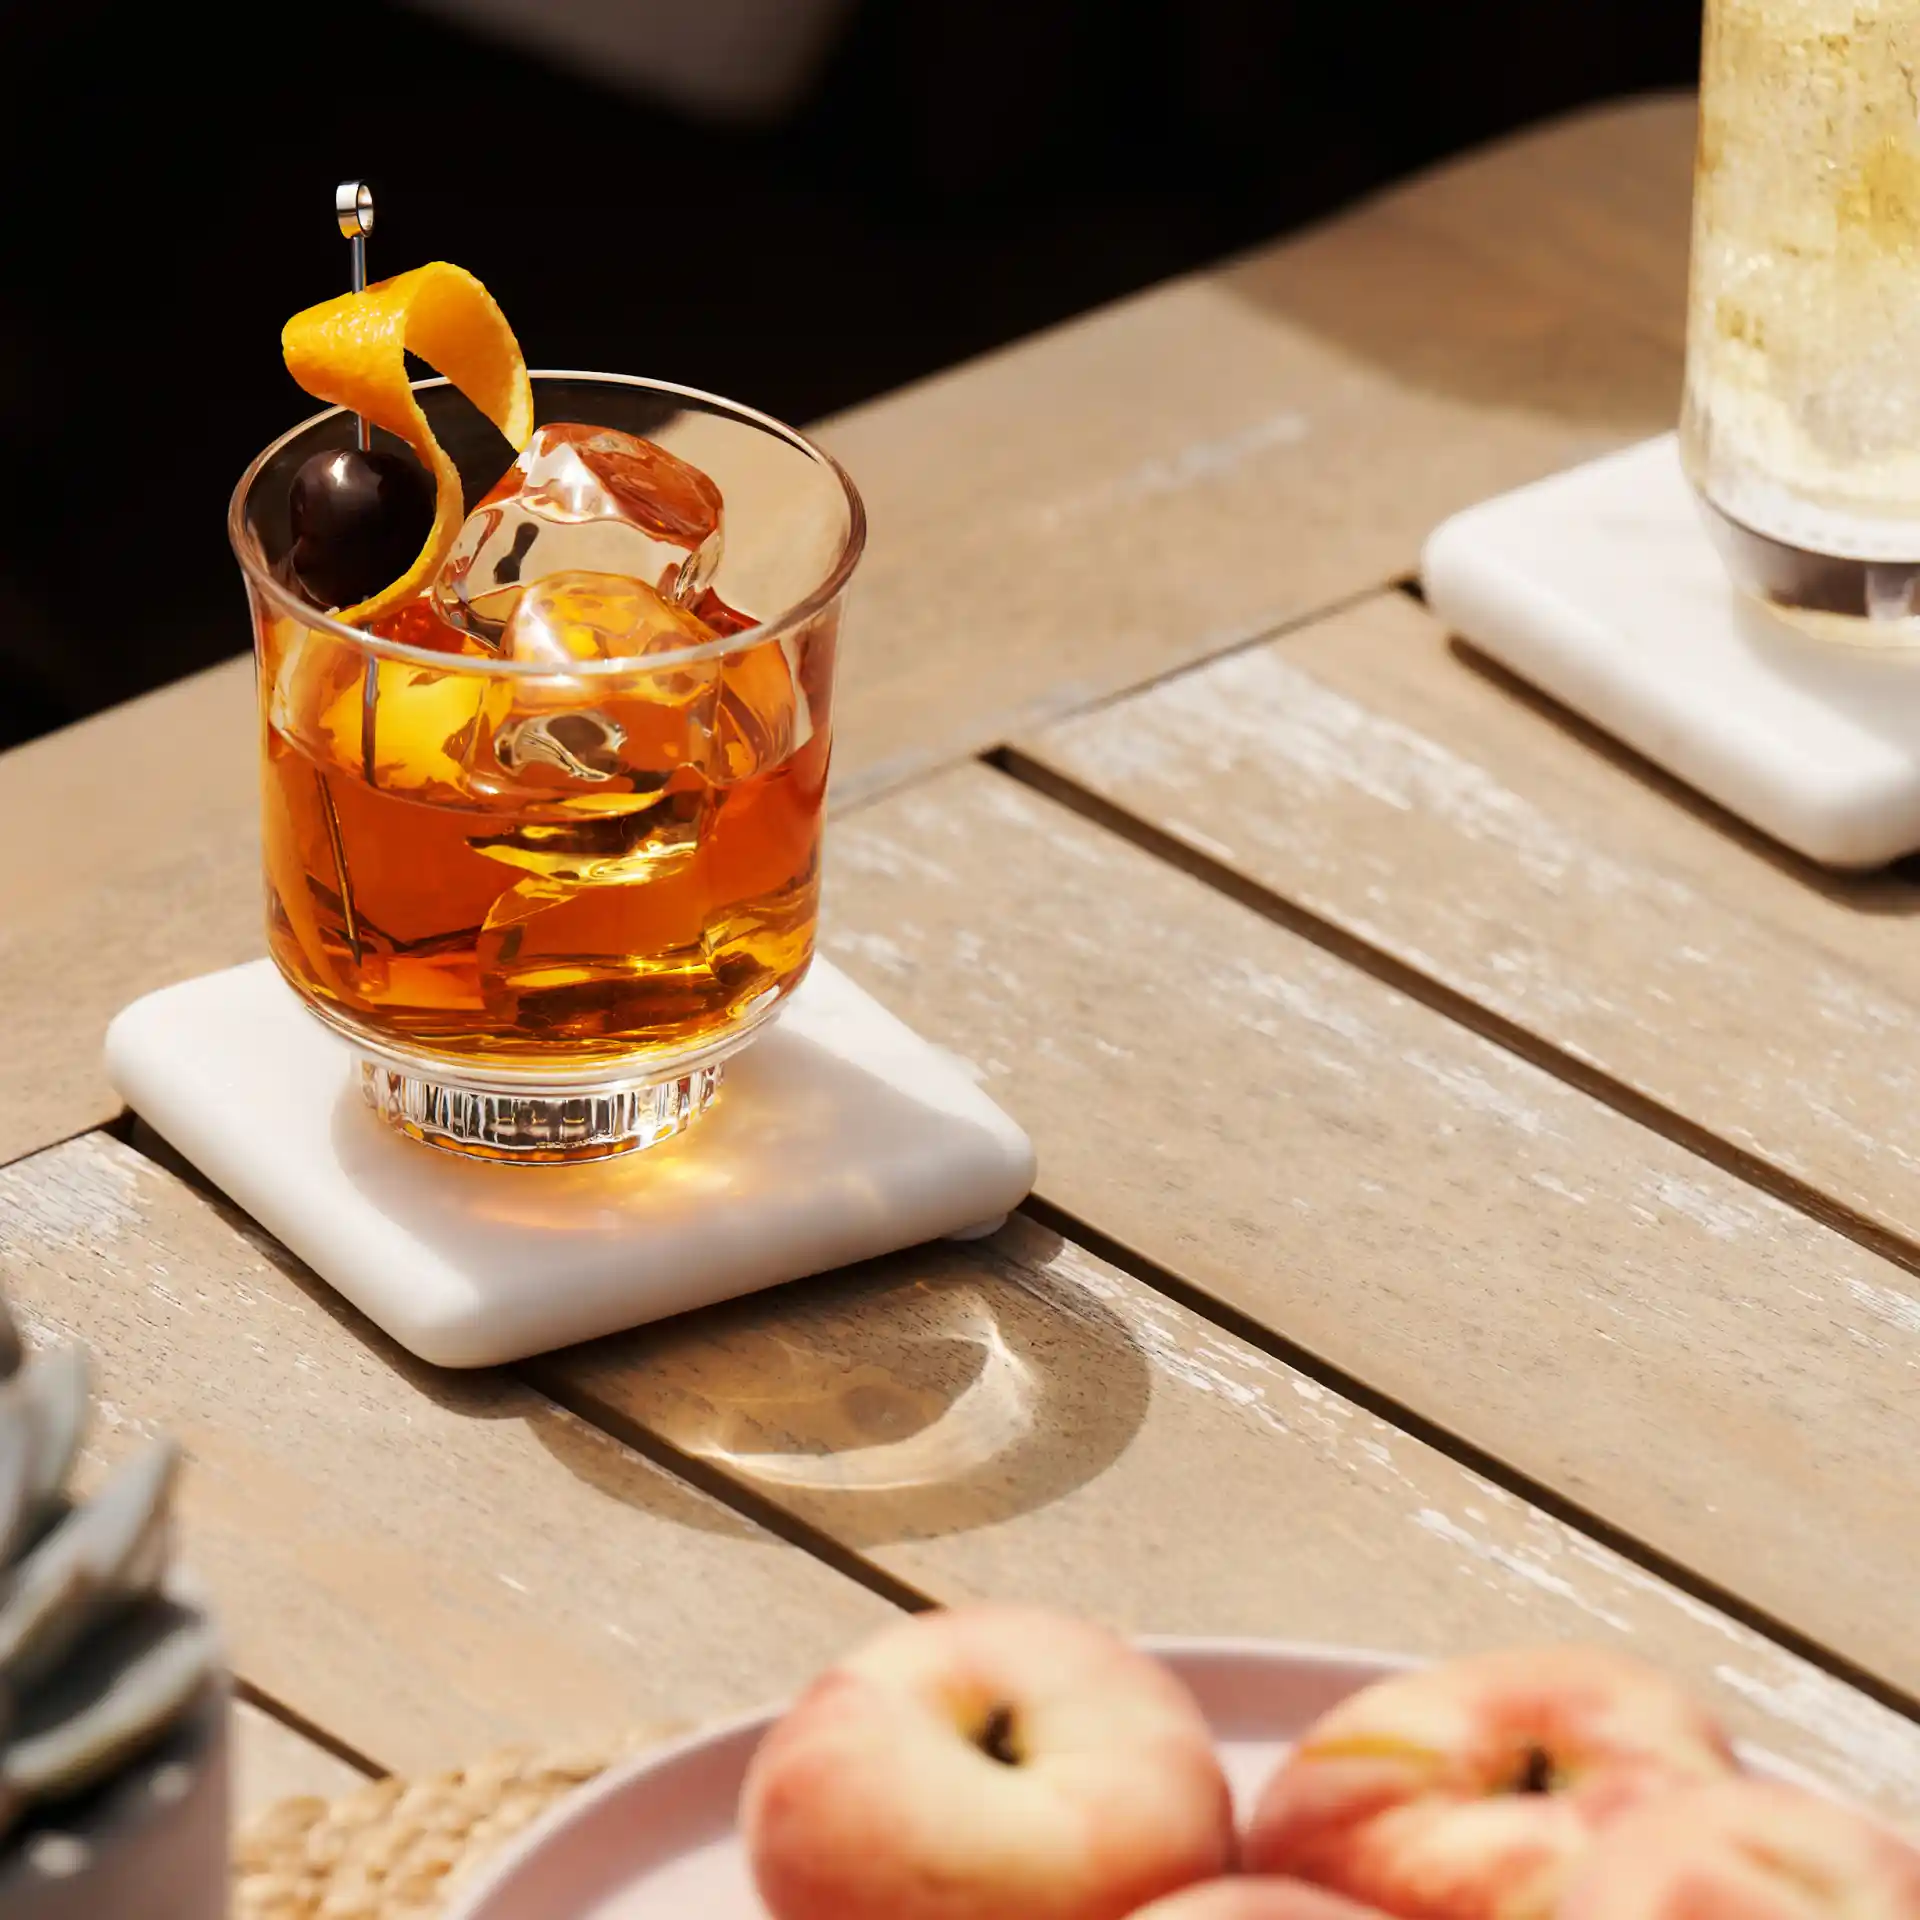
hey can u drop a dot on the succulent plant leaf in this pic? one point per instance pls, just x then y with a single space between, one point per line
102 1658
11 1352
41 1620
108 1703
100 1557
13 1803
57 1385
18 1442
43 1413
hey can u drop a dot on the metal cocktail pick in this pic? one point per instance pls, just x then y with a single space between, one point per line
353 208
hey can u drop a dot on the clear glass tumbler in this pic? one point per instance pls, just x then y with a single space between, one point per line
545 899
1801 431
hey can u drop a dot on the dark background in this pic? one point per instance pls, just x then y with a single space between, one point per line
964 172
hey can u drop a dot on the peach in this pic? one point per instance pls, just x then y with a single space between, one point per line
981 1763
1252 1897
1746 1850
1473 1790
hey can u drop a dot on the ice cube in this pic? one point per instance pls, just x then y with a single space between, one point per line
632 728
764 715
565 618
583 499
582 745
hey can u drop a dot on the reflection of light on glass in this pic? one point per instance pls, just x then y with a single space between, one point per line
992 1413
776 1140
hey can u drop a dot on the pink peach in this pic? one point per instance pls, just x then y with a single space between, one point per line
984 1763
1746 1850
1471 1791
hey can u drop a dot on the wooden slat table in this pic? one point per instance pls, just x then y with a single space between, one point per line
1476 1198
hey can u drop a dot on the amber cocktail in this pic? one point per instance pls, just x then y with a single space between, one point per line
544 845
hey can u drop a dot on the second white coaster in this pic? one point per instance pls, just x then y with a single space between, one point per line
1602 588
838 1135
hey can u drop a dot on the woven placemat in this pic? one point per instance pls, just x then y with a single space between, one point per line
398 1849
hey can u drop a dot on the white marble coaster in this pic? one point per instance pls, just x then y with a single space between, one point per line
1602 588
839 1134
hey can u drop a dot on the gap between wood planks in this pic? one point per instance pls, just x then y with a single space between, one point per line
541 1375
124 1127
1108 816
120 1127
881 783
1241 1326
309 1730
1449 1002
1243 641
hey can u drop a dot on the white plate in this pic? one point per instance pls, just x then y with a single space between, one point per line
654 1840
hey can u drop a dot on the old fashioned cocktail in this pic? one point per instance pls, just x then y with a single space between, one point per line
543 840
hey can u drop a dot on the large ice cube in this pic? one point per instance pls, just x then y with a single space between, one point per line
569 617
642 726
582 499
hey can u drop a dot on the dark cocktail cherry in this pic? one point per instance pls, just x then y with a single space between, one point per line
359 522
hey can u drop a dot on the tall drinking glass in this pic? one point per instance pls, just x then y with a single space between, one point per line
1801 431
545 898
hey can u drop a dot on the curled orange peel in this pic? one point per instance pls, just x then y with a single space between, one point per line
352 351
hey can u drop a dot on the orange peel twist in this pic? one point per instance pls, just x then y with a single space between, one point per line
352 351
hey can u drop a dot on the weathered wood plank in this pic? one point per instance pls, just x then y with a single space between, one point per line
1052 523
1365 771
130 861
1707 1369
160 774
1227 452
428 1565
272 1763
1017 1419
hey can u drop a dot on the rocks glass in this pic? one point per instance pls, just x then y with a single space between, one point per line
545 896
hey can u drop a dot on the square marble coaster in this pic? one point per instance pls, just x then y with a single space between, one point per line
839 1134
1602 588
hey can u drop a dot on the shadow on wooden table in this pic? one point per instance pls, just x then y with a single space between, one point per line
936 1391
1437 322
1544 275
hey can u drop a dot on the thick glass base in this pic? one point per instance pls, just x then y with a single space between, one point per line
1859 602
537 1113
538 1128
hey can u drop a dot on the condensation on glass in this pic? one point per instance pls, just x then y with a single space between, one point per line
1801 430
